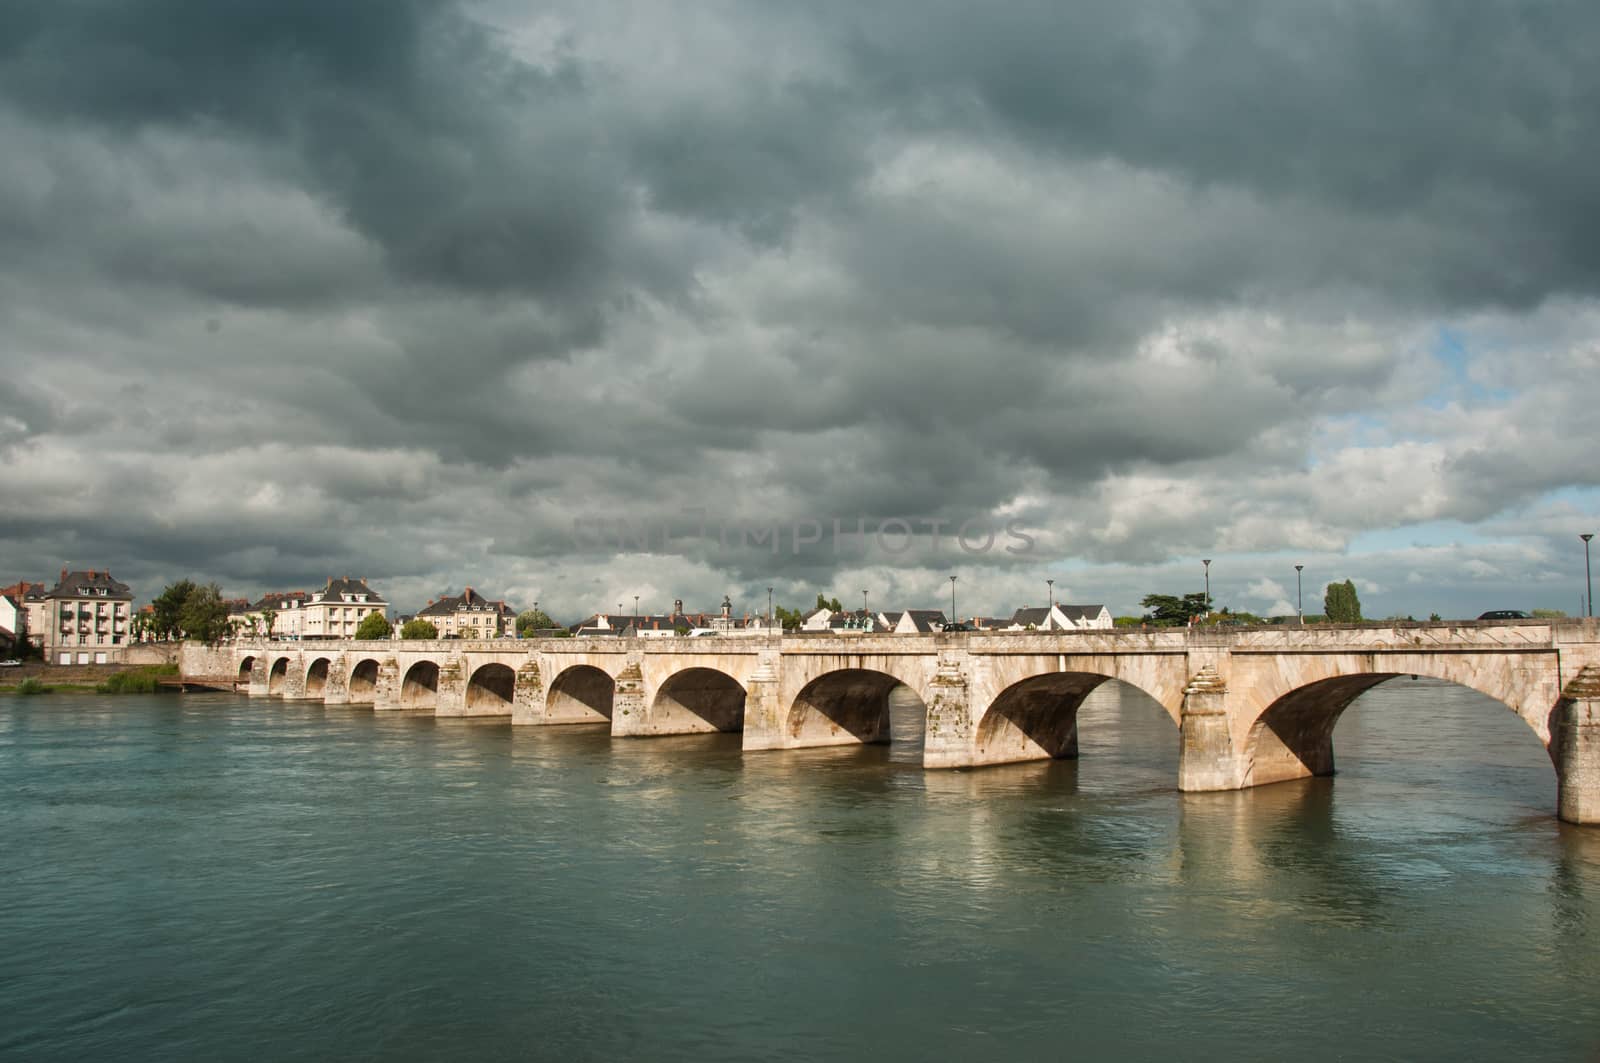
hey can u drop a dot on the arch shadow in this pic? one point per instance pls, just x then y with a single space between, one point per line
420 688
278 677
699 699
317 678
246 666
844 707
364 682
1293 737
491 690
580 694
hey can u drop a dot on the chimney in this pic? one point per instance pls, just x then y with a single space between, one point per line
63 575
91 573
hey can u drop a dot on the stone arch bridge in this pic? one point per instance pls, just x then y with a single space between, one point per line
1249 706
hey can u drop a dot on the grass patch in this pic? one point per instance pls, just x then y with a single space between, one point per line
138 681
32 686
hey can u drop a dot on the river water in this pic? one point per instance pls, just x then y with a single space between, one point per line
214 878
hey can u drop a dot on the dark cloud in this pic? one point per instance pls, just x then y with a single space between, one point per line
404 289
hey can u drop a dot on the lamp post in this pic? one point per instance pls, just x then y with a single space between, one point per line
1051 584
1588 580
635 605
1299 598
863 603
952 599
1206 561
769 606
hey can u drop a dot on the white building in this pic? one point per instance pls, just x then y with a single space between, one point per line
87 615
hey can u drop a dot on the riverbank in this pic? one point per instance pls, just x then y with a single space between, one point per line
39 678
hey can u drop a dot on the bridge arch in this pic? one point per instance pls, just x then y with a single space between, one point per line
246 666
699 699
278 677
317 678
844 706
420 687
364 682
491 690
581 693
1292 737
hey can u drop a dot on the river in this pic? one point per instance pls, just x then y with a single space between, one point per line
208 877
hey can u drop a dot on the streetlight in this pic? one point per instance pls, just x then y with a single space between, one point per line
1299 598
863 603
1051 584
1588 579
952 599
769 606
635 605
1206 561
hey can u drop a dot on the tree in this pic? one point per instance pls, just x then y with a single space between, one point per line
167 620
418 629
531 620
203 614
374 626
1341 604
1165 610
829 603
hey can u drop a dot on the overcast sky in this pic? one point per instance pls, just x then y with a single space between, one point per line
440 293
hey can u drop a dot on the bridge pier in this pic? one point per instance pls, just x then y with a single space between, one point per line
451 699
1577 740
1207 759
260 669
386 695
629 705
763 704
337 689
294 682
950 732
528 700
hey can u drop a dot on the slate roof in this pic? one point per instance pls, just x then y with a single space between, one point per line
468 601
279 600
89 584
25 592
1035 617
927 619
338 588
1080 612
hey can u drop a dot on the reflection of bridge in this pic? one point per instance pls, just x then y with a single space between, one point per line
1251 706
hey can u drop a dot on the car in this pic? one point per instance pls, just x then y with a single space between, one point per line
957 626
11 663
1505 614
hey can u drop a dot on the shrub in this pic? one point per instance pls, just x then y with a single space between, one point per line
32 686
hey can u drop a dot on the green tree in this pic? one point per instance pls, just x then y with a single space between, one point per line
374 626
829 603
1341 604
418 629
167 621
204 615
1166 610
531 620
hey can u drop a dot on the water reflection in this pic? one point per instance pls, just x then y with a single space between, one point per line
212 877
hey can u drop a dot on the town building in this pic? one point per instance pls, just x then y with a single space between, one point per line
842 620
1061 618
469 615
338 609
87 618
13 623
279 615
912 621
32 599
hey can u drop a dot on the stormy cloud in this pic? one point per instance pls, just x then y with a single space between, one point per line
405 290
